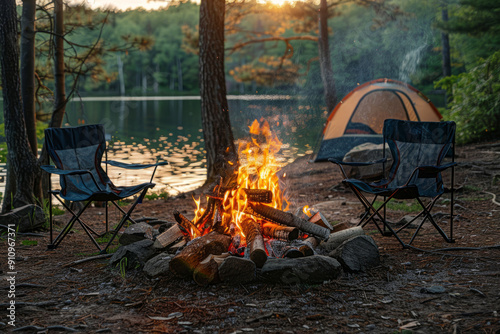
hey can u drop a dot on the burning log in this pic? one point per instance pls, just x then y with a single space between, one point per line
206 219
184 263
170 236
275 231
187 224
286 218
255 243
259 195
253 195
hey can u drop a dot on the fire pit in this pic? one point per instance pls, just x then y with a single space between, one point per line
244 226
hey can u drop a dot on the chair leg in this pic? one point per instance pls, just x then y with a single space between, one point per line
69 225
376 212
431 219
75 217
125 217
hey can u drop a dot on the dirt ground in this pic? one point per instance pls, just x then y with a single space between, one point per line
53 295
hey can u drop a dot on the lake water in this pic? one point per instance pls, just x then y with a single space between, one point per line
169 128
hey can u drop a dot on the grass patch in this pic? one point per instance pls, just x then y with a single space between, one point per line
472 188
400 206
473 199
29 243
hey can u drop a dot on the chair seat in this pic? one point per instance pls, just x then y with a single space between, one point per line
112 193
380 188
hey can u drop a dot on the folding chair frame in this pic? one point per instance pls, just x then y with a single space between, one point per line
371 213
98 195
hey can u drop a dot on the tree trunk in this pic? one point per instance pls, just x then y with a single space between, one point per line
59 78
23 161
28 70
28 80
59 107
219 141
325 62
445 41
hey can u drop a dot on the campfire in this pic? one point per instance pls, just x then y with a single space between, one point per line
246 217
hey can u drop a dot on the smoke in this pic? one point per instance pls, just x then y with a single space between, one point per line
410 63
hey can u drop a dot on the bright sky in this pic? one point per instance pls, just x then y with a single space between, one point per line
146 4
125 4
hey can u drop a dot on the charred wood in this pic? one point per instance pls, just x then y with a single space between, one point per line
184 263
259 195
292 252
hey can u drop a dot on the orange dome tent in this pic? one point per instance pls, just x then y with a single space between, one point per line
359 117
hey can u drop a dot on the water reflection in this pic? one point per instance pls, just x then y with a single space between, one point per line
148 130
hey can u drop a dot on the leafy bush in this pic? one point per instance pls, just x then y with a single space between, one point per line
475 102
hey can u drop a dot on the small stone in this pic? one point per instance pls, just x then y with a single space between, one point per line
436 289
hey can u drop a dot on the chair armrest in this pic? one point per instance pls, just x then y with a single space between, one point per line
341 163
431 171
355 163
54 170
134 166
137 166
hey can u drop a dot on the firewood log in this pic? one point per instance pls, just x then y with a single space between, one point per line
207 272
286 218
275 231
170 236
184 263
309 245
337 238
255 242
187 224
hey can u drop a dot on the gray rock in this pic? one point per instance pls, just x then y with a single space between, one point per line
237 270
357 254
136 232
368 152
310 269
158 265
137 254
26 218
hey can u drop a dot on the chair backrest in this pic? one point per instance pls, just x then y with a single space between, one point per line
78 148
414 144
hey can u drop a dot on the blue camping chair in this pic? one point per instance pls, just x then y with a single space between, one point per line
77 154
418 150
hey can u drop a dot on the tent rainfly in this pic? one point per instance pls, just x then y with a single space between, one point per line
359 117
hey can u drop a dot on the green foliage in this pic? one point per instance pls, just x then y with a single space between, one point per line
3 144
123 267
475 103
155 196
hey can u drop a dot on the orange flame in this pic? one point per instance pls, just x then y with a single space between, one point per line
257 170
